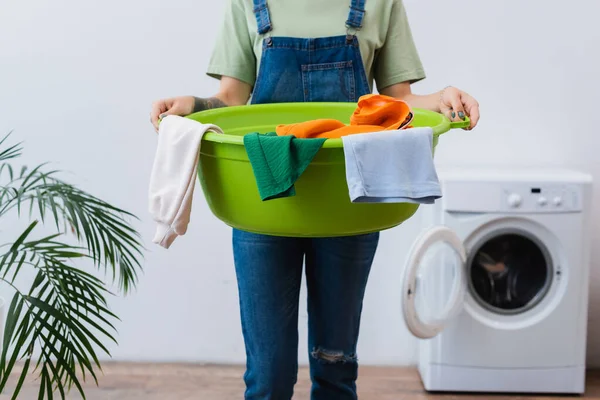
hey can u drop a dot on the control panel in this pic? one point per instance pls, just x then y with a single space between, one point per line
517 197
551 198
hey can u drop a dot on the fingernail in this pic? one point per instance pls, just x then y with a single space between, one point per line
161 116
453 114
461 115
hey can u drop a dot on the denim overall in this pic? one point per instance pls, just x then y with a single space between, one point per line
269 269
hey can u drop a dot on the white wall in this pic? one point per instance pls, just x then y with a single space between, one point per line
77 79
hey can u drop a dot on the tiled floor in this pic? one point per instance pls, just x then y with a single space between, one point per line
198 382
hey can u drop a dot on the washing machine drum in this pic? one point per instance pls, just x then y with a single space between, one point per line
509 273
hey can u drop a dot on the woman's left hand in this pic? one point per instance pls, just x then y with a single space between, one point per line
456 104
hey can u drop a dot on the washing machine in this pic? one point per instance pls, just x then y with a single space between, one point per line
496 286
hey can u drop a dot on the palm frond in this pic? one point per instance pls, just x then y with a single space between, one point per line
113 243
64 315
13 151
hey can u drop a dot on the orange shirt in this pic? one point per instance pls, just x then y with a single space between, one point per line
374 113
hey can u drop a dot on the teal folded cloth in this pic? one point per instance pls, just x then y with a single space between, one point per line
278 161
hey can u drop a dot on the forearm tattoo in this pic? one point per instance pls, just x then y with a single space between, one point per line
207 104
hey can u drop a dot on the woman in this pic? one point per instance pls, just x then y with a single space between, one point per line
296 51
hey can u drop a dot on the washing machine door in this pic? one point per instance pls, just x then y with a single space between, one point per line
434 282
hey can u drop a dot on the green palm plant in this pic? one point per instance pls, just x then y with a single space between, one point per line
57 325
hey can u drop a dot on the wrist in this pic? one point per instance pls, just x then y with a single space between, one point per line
197 107
201 104
441 95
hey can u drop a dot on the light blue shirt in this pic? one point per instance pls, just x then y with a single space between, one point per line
391 167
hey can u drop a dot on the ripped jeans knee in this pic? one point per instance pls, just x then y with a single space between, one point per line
326 356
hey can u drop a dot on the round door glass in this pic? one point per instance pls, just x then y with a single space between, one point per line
438 275
510 272
434 282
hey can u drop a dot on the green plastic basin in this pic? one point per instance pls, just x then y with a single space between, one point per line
321 207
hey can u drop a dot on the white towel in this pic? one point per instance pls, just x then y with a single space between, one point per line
391 167
174 176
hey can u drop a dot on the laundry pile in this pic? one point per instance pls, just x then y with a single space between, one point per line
386 159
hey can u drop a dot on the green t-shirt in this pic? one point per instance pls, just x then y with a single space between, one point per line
386 43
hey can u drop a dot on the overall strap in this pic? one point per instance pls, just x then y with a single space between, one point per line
357 13
263 19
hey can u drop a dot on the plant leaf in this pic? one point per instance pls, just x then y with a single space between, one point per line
63 316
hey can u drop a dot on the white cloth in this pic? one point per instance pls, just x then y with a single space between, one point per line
391 167
174 176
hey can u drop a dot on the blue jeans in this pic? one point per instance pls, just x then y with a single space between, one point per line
269 273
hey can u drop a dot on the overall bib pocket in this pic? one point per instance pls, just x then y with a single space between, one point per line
329 82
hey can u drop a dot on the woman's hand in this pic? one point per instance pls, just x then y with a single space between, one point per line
181 106
456 104
453 103
232 92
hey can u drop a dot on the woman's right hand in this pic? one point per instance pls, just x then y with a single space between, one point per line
232 92
180 106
